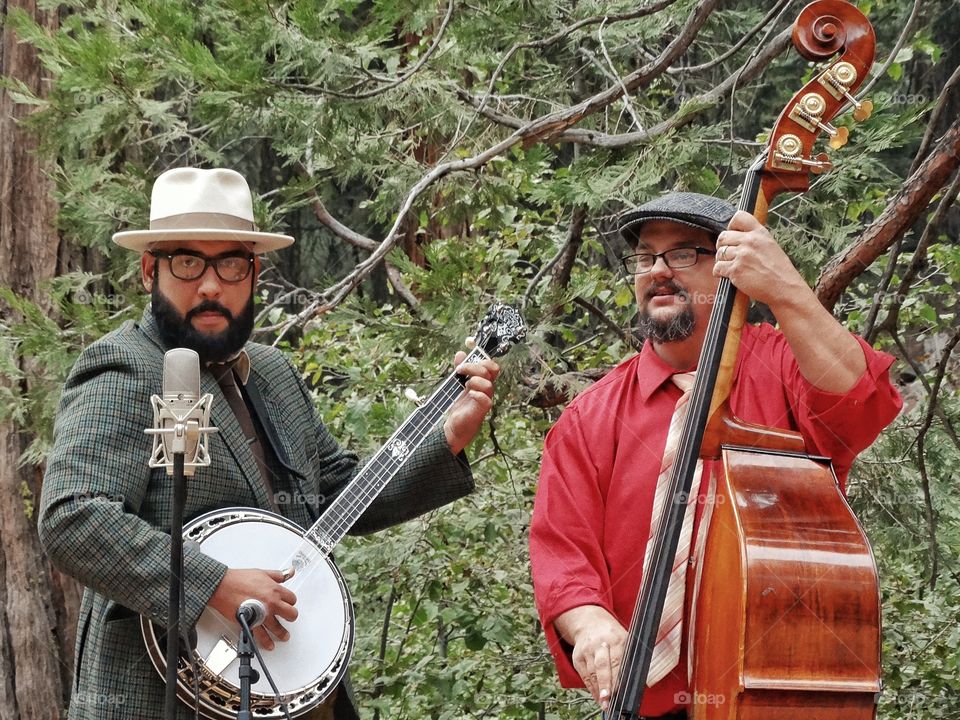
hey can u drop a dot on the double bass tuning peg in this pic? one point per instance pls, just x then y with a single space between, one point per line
837 80
808 113
861 110
788 155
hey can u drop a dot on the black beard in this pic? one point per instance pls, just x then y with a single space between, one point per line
176 331
677 328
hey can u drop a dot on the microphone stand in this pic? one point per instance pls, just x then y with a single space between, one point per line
248 675
176 568
181 419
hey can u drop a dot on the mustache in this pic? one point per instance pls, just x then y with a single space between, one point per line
670 286
209 306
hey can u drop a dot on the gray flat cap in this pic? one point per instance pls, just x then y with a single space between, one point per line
699 211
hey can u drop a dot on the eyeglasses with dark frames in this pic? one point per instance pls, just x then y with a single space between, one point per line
681 257
230 267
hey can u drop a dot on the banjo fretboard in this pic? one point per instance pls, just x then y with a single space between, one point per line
370 481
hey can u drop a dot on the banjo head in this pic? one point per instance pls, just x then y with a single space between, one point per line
307 667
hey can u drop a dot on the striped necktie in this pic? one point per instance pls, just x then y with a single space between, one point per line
666 650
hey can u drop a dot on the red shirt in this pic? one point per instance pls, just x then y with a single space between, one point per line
591 517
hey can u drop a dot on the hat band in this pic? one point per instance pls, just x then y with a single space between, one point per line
202 221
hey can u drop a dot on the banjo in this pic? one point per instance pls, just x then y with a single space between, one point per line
310 665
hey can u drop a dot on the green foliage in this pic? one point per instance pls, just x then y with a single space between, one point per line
316 98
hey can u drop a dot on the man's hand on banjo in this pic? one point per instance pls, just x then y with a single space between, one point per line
263 585
465 417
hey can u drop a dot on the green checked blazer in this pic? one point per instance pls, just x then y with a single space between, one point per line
105 515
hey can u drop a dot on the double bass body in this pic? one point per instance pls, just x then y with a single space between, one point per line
787 609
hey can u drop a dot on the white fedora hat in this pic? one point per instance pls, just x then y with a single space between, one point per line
193 204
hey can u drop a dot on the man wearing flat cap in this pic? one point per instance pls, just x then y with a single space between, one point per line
612 446
105 515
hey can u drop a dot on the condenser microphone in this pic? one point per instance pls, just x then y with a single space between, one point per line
181 415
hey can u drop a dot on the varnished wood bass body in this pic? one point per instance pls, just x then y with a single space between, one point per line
788 609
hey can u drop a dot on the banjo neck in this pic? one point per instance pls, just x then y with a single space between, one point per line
326 533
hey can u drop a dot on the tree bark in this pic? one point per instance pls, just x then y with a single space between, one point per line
896 219
38 606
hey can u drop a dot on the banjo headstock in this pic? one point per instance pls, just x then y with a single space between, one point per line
500 329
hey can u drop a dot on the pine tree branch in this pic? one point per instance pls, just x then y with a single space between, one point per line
538 130
389 83
699 104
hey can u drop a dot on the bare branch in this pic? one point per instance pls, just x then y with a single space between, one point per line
870 328
696 105
625 335
627 100
573 241
393 275
739 44
920 375
901 212
335 226
555 390
905 33
930 232
935 118
567 257
931 515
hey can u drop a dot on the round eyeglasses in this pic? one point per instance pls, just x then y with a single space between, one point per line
680 257
187 265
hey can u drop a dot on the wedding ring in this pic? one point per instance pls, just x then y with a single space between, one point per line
287 574
723 253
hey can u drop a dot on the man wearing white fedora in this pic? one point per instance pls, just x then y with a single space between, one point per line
105 515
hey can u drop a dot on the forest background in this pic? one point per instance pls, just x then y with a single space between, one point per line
432 158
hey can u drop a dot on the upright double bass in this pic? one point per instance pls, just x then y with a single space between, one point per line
785 615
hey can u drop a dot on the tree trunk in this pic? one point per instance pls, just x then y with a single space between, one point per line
38 606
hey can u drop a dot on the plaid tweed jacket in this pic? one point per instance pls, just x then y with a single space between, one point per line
104 515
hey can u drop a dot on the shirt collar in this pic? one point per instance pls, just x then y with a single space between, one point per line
240 363
652 371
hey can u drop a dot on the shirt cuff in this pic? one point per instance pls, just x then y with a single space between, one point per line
822 403
567 598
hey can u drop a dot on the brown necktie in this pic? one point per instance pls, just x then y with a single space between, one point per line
227 379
